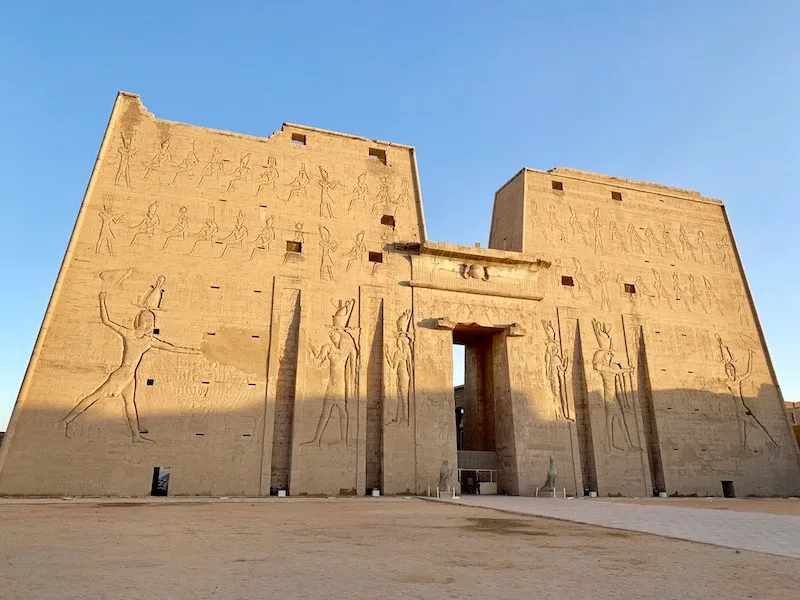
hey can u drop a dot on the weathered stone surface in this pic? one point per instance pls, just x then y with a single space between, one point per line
261 314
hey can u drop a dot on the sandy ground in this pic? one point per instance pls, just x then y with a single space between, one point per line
355 549
773 506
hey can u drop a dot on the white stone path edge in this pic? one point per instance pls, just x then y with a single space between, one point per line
759 532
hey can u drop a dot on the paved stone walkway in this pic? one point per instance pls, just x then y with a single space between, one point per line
772 534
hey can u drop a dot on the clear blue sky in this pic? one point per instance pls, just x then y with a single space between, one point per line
696 94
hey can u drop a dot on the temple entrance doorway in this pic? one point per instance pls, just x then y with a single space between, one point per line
476 408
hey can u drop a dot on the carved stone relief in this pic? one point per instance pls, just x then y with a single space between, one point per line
341 355
400 361
555 368
617 391
137 340
734 380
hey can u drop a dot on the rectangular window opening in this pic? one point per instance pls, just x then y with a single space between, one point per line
616 196
156 331
262 206
151 381
567 280
252 384
199 434
294 246
299 139
246 435
630 288
257 291
205 382
376 257
388 220
378 154
255 337
214 287
558 186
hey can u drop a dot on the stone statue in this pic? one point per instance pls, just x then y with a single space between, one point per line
445 473
552 477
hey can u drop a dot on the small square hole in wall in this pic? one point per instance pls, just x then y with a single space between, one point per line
387 220
378 154
557 185
567 280
616 196
151 381
376 257
299 139
630 288
294 246
156 331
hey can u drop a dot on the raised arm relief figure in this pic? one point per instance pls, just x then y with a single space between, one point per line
121 382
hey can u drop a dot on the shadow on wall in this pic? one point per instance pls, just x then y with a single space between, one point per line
703 438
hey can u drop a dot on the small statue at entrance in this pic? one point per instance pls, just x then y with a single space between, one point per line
552 477
445 473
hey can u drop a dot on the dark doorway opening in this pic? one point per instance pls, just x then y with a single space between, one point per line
727 489
160 485
478 410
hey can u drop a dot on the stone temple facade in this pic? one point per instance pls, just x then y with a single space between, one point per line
261 314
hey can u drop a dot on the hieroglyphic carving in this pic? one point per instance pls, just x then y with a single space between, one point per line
269 176
180 229
602 282
154 296
696 296
403 198
121 382
555 368
264 237
616 237
327 245
240 173
213 168
299 185
147 226
596 226
341 352
582 281
669 245
713 299
536 221
643 290
577 227
655 244
400 361
126 153
161 160
725 254
356 253
687 246
113 278
742 309
383 198
186 166
326 201
635 239
617 389
734 381
704 249
107 218
207 232
660 290
236 238
359 193
555 224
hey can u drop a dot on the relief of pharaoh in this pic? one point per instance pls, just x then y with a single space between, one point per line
121 382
